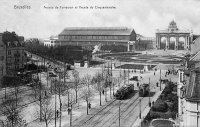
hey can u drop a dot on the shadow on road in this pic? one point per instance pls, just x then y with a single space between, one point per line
129 96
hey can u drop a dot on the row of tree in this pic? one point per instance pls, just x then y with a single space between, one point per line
43 94
67 54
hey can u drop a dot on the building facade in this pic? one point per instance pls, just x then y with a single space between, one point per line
145 43
50 42
12 56
2 58
173 38
188 90
81 36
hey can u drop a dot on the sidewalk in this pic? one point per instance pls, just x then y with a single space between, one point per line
147 108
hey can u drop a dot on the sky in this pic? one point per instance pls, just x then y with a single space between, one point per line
144 16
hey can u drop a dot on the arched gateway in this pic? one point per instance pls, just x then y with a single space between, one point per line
173 38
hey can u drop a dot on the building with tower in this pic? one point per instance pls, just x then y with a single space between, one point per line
173 38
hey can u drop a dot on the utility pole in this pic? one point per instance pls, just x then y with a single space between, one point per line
149 93
60 98
119 113
124 77
112 79
160 79
140 114
55 103
128 75
71 113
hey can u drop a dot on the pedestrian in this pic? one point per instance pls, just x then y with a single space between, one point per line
157 84
138 84
103 92
57 112
69 110
89 105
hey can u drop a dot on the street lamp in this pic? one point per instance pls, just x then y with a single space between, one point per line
119 113
149 94
140 114
55 104
160 79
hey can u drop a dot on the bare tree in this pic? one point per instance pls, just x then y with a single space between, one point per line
77 82
87 91
108 81
87 94
9 109
99 86
47 112
40 92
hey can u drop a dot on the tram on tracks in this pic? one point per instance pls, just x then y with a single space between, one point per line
124 91
144 90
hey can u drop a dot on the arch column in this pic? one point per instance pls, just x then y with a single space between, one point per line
185 43
167 42
159 41
176 43
128 47
156 41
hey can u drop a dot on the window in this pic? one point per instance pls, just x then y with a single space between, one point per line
2 58
9 52
17 66
8 43
16 60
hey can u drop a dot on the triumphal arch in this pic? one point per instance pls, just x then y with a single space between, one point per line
173 38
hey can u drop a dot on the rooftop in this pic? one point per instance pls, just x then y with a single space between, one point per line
193 87
97 31
172 28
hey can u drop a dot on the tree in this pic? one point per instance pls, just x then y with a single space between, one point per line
76 80
87 91
87 94
99 86
108 81
40 92
47 112
9 109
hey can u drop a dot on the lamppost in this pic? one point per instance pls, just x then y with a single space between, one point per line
149 93
119 113
140 114
71 112
55 103
160 79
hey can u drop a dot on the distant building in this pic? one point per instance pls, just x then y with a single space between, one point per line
84 36
145 43
173 38
12 57
50 42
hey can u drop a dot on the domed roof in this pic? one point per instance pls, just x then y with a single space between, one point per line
172 26
172 23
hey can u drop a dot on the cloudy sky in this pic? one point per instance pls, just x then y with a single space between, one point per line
145 16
